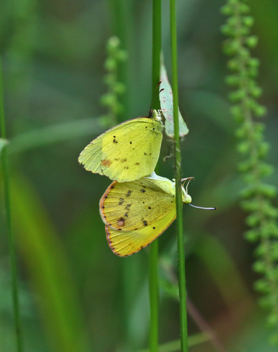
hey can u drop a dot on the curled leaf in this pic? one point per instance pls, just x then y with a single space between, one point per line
166 103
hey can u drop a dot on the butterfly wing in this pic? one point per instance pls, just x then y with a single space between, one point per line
126 152
135 205
125 243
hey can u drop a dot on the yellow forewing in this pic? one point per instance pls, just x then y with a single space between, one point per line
138 204
126 152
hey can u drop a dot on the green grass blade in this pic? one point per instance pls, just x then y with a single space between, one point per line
57 133
49 271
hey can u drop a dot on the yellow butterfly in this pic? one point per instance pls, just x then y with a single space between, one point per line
136 213
126 152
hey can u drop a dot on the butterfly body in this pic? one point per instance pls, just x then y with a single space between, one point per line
128 151
135 213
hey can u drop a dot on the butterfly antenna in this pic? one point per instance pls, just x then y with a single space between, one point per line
159 83
184 180
195 206
186 190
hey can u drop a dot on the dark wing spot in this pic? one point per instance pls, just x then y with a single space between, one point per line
130 142
126 215
145 223
116 159
150 154
123 160
145 153
121 222
142 190
127 207
114 141
153 228
137 163
128 193
150 208
126 168
121 201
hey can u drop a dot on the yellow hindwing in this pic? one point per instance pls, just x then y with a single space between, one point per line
125 243
135 205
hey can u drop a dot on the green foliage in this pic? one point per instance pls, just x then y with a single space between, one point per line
257 195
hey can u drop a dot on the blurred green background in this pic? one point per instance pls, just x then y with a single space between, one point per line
75 294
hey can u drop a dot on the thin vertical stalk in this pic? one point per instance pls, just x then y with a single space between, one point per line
122 19
156 50
181 255
6 183
153 258
153 293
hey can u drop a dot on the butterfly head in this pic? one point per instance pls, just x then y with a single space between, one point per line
155 115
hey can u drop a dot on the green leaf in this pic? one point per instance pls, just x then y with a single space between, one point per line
166 103
47 265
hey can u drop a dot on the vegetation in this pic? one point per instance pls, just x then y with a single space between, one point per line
74 293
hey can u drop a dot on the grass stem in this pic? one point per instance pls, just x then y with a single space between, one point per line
181 255
153 293
153 258
7 202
